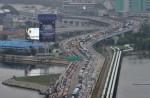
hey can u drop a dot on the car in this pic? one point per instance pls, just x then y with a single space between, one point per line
75 93
83 67
78 86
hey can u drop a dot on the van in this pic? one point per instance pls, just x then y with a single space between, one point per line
78 86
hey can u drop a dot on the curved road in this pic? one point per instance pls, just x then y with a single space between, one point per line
69 79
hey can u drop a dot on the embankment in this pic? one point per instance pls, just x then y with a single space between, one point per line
32 86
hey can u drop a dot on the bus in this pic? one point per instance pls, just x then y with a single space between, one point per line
75 93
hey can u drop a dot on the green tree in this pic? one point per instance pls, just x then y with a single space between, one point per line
4 37
33 51
122 41
56 45
141 39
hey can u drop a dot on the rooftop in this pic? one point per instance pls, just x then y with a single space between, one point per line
1 11
6 10
8 32
20 43
20 6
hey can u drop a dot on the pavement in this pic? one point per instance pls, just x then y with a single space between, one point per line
90 73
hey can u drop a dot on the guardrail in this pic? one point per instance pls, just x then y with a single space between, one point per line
112 75
115 76
109 86
109 73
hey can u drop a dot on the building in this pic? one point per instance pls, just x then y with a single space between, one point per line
148 5
79 8
13 21
122 5
30 13
20 47
131 5
109 4
12 34
119 5
84 1
9 9
9 18
138 5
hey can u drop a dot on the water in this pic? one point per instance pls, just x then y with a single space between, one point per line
134 81
9 70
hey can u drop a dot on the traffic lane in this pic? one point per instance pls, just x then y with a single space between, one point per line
73 49
76 51
75 75
67 80
98 62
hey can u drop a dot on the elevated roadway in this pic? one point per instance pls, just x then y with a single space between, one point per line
111 23
75 29
97 59
100 19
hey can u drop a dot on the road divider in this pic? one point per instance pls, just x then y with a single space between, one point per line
109 86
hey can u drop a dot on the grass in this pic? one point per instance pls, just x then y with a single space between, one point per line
122 47
42 80
99 50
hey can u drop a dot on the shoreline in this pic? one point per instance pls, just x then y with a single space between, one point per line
137 53
43 90
32 59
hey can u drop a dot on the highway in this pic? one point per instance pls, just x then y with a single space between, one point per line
89 69
92 71
75 29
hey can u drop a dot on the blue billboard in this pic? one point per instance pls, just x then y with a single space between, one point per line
11 29
47 27
47 17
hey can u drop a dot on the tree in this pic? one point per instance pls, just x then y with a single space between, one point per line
33 51
141 40
4 37
56 45
123 41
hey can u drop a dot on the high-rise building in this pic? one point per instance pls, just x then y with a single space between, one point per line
131 5
122 5
80 7
148 5
138 5
109 4
84 1
119 5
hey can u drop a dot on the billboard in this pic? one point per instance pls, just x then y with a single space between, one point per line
33 33
47 27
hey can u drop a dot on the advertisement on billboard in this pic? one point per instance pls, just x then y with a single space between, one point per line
33 33
47 28
47 31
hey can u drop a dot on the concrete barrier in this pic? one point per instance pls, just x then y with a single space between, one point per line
109 74
109 86
115 76
32 86
112 75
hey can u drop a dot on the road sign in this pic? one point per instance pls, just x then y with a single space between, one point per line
74 58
